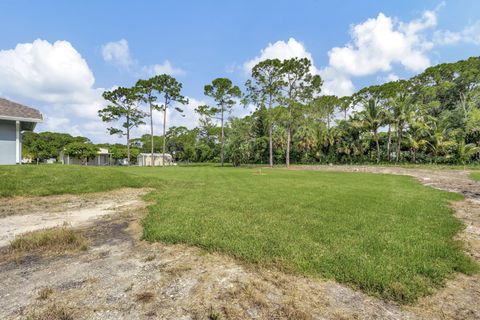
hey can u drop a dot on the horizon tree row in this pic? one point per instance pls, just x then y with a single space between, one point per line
434 117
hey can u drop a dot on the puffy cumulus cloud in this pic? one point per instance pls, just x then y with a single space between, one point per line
380 42
377 45
470 34
335 82
279 50
118 53
166 67
45 72
55 78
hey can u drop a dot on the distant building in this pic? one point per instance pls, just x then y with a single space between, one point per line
103 158
122 162
145 159
14 119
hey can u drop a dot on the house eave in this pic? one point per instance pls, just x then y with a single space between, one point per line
36 120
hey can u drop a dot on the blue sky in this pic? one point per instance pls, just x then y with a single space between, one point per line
58 56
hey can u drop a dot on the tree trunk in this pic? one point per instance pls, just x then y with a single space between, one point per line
389 141
164 132
151 131
399 142
270 145
378 146
287 156
270 130
128 141
345 114
221 140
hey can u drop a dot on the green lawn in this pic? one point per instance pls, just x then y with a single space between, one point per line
386 235
475 176
57 179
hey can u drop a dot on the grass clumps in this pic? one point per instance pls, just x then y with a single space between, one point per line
45 293
52 312
56 240
145 297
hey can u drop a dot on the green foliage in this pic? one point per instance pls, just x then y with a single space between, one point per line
224 93
165 89
123 107
45 145
84 151
433 117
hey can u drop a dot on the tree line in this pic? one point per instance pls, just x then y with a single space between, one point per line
433 117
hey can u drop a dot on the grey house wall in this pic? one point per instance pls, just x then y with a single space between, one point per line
7 142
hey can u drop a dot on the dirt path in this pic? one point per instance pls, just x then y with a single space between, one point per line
54 211
120 277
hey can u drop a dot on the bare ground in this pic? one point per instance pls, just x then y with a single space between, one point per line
122 277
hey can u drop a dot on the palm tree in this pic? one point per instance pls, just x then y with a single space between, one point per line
466 151
417 134
373 118
440 142
344 104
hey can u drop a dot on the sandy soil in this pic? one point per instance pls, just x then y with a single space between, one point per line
121 277
21 215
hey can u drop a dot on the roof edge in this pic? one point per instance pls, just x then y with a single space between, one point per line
21 119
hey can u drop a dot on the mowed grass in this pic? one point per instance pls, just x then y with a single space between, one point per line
44 180
386 235
475 176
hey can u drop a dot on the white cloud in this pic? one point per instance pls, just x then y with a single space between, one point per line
54 77
470 34
166 67
118 53
391 77
56 123
280 50
45 72
377 45
334 82
380 42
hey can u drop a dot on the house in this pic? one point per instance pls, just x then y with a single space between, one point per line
103 158
14 119
145 159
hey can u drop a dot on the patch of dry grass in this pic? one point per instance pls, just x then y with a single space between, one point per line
55 240
45 293
145 297
52 312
